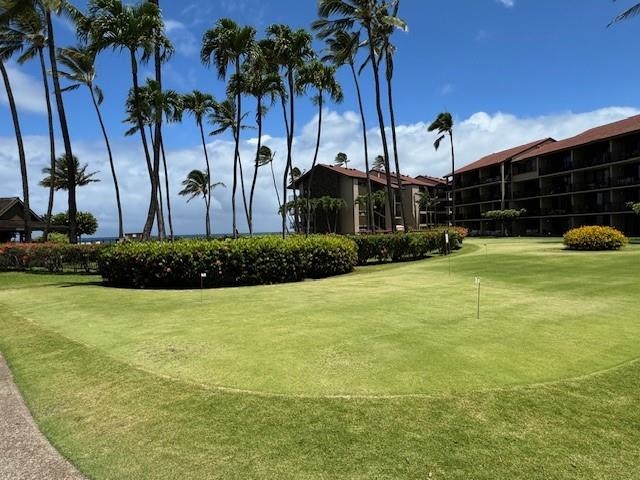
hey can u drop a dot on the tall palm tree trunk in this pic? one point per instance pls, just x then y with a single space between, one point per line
52 143
153 205
244 196
159 200
313 164
256 165
394 139
236 153
288 167
64 128
21 154
158 134
383 135
111 164
166 183
453 181
284 193
207 218
208 195
366 149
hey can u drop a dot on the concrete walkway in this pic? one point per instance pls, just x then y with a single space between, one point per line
25 454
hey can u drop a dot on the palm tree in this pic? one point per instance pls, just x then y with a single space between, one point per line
343 48
343 15
199 104
320 77
266 156
197 184
261 80
384 30
60 176
379 163
158 146
11 43
290 50
171 106
444 125
224 117
342 160
80 64
144 110
46 9
30 26
225 44
112 24
167 103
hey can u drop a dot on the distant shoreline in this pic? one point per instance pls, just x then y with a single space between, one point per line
177 237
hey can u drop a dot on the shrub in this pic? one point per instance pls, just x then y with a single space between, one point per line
246 261
595 238
54 237
405 246
53 257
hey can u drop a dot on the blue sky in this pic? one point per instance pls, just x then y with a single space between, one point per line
510 71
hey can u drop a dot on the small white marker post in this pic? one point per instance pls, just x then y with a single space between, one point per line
203 275
478 311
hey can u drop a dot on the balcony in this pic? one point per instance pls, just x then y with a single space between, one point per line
625 182
556 190
599 159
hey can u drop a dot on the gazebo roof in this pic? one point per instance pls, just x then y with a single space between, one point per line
15 222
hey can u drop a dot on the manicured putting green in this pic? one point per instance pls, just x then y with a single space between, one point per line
546 314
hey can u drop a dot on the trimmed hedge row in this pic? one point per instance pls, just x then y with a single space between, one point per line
53 257
594 238
405 246
246 261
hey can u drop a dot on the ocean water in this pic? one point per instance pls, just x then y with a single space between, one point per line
177 237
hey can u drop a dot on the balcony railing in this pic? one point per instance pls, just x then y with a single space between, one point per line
599 159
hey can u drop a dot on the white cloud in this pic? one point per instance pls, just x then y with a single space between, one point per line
507 3
184 41
480 134
28 91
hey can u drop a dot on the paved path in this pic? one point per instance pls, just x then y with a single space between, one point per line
25 454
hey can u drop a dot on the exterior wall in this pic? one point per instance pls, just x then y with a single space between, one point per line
589 184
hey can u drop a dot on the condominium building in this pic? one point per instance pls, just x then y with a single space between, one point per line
424 199
588 179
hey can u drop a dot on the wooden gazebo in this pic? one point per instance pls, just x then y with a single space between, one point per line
12 220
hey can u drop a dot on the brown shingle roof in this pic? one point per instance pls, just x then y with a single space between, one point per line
615 129
376 176
499 157
432 181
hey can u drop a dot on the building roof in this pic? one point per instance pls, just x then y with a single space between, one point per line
6 203
17 224
500 157
376 176
432 181
610 130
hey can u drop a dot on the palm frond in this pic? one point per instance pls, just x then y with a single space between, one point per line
627 14
436 144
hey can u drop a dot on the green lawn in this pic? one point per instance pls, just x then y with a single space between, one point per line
384 373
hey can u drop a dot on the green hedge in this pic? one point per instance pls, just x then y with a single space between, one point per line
53 257
594 238
246 261
410 246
